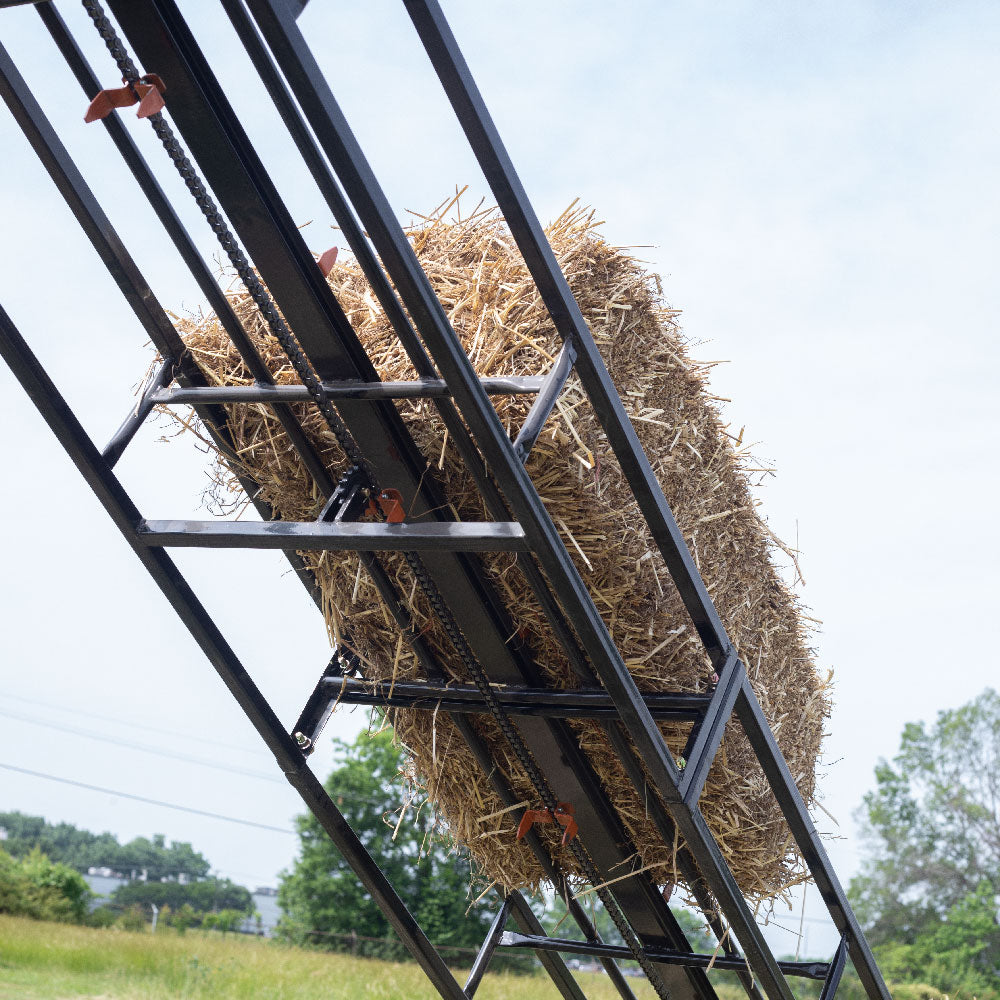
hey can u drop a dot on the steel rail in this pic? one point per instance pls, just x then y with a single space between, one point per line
416 389
483 137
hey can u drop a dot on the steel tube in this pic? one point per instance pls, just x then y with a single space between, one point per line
832 982
122 437
511 939
711 730
335 536
416 389
570 704
489 947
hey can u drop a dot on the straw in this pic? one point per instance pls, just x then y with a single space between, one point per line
703 469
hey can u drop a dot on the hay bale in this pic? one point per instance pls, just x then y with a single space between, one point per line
481 279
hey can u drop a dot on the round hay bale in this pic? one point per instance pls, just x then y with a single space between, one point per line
479 275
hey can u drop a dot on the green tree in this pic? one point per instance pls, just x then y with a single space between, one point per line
959 953
80 849
932 824
205 896
321 896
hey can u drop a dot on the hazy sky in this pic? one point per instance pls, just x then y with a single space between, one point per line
815 182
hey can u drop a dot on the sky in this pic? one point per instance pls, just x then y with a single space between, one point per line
816 183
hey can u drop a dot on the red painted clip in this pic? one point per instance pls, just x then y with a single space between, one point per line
562 814
327 260
147 92
391 502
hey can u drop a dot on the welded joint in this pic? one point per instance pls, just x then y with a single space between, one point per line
129 427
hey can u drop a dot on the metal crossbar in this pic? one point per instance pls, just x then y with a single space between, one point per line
340 379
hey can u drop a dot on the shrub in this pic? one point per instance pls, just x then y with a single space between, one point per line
36 887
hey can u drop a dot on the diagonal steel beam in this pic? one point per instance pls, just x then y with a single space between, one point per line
168 578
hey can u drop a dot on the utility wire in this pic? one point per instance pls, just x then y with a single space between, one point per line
144 747
142 798
124 722
172 755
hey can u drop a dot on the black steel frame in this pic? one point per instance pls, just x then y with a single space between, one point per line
268 30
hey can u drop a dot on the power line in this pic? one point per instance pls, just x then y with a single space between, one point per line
142 798
144 747
125 722
159 751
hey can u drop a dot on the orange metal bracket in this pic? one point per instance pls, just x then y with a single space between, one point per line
563 814
147 92
391 502
327 260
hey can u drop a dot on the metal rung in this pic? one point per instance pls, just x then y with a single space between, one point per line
513 939
582 703
424 388
338 536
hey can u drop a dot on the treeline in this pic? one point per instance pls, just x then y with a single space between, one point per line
82 850
41 876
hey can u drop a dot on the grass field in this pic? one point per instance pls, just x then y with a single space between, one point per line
44 961
47 961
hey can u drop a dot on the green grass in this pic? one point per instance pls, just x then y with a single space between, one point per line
45 961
